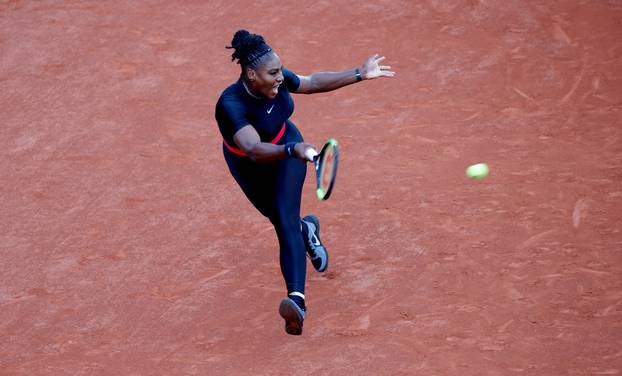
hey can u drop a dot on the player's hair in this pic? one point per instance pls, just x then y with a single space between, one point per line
250 49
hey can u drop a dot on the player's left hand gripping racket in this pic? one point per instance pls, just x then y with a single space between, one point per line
326 163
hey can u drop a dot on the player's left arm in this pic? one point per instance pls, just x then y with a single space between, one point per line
327 81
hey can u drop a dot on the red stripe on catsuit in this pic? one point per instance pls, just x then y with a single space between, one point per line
243 154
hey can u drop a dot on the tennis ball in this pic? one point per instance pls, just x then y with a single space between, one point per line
477 171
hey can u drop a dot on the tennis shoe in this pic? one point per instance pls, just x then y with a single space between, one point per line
315 249
293 315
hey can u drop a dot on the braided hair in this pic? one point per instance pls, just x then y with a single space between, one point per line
250 49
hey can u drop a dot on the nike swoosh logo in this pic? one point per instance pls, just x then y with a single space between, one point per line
313 239
270 110
316 241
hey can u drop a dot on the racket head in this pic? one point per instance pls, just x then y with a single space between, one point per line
326 165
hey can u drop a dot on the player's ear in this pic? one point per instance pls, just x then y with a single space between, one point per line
251 75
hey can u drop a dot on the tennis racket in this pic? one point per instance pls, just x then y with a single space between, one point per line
325 167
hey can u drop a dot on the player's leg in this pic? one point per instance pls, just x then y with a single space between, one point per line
275 189
292 249
286 221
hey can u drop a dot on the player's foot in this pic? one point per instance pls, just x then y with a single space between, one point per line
316 250
294 316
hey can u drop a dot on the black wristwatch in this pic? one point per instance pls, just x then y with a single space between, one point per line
357 73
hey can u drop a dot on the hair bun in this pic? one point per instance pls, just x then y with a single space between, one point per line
247 44
239 37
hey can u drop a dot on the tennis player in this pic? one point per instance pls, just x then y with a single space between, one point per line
265 153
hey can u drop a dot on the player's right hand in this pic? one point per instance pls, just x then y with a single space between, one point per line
301 151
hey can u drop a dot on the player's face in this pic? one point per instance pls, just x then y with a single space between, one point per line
269 76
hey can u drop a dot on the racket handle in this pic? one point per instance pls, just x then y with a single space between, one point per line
310 154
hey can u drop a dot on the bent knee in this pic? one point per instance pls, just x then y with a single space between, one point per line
286 222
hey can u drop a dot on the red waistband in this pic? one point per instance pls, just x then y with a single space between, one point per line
240 152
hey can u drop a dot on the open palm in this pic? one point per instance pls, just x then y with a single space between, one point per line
372 69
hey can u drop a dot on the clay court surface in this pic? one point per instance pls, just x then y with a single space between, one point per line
126 248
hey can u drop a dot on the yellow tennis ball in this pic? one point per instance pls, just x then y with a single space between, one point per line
477 171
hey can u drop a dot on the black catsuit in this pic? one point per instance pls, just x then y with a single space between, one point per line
274 188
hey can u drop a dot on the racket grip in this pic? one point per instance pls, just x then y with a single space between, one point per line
310 153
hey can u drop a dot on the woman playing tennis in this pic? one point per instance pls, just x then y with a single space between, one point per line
265 153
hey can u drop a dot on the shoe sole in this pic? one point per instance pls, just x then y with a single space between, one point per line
316 222
290 312
323 269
